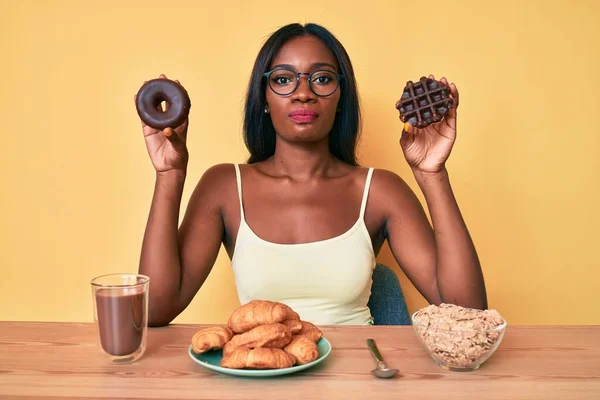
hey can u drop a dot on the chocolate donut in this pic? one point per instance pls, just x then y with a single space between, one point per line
152 94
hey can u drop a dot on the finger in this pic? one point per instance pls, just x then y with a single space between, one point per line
159 107
450 118
408 136
409 130
431 77
166 106
182 129
163 76
454 93
176 140
444 81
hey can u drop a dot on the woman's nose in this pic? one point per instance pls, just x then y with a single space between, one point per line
303 91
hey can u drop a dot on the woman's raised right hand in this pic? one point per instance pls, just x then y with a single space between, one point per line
167 148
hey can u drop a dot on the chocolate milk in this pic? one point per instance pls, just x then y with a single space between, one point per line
120 321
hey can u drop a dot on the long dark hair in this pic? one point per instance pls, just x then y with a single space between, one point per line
259 133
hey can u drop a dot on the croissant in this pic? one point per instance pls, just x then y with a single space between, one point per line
270 335
310 331
259 312
211 338
229 348
259 358
303 348
294 325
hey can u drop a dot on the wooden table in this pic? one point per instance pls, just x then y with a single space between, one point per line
60 360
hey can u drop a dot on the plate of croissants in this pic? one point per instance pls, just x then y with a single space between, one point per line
261 338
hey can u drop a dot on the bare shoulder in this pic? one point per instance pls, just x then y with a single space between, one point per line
218 174
215 185
392 192
389 182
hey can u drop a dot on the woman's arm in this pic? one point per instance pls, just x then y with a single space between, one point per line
441 262
178 261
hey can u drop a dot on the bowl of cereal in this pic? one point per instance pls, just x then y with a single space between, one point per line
458 338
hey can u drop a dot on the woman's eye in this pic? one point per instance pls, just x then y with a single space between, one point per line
283 79
323 78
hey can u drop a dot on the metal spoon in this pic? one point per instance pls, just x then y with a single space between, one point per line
382 371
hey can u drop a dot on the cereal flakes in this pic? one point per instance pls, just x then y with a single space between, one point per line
458 336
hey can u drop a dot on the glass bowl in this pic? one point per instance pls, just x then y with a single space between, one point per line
457 346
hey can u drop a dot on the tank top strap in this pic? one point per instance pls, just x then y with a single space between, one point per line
238 178
363 205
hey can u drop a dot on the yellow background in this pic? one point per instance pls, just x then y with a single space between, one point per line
77 183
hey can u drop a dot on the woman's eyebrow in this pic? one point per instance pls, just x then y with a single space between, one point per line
282 66
319 65
315 65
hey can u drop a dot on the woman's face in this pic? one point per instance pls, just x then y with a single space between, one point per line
302 116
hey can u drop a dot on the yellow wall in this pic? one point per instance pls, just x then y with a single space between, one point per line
77 183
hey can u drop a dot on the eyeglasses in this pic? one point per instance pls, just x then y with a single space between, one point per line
284 81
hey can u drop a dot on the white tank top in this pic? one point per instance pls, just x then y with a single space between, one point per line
327 282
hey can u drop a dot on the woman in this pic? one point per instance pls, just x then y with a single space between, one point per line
301 221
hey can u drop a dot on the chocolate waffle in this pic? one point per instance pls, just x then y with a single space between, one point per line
424 102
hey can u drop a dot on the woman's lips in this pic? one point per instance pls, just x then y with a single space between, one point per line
303 115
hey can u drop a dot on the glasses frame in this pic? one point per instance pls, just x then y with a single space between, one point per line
309 76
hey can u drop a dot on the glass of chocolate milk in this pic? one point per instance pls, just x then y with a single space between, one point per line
121 315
